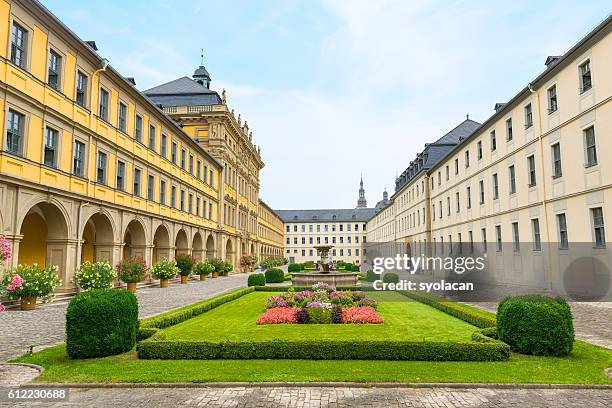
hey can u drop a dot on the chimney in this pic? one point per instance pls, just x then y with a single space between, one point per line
92 45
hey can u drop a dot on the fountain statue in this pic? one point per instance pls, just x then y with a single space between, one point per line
334 279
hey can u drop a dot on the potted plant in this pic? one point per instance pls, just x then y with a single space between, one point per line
227 268
203 269
219 267
91 276
29 282
184 262
5 255
164 270
132 271
246 261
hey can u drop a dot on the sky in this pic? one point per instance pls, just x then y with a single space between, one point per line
333 90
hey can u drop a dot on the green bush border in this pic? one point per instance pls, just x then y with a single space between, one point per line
157 348
474 316
301 288
176 316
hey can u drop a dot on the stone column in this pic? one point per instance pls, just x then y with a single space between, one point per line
62 252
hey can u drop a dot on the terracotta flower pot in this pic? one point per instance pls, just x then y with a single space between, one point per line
225 273
202 277
131 286
184 279
28 303
215 274
163 283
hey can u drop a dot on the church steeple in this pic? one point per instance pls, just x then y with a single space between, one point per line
200 75
361 202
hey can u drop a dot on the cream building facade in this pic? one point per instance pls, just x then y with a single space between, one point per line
534 172
91 169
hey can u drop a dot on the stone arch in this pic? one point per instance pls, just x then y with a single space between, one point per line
197 246
161 244
43 239
181 243
210 247
229 251
134 239
98 239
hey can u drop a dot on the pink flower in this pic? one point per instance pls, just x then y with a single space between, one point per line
16 283
279 315
361 314
5 249
2 308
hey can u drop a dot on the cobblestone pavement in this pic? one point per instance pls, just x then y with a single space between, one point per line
329 397
591 320
12 375
46 325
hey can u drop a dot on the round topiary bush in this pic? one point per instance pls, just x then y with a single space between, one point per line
257 279
535 324
295 267
390 278
101 323
372 276
275 275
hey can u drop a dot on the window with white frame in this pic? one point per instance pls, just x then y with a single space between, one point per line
50 148
599 233
590 146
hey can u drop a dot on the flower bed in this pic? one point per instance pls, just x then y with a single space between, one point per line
320 305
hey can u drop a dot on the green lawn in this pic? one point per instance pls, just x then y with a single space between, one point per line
404 320
584 365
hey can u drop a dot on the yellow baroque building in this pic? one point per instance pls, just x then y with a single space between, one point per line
92 169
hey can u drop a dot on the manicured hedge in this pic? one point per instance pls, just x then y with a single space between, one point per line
101 323
295 267
256 279
371 276
472 315
536 324
274 275
325 350
180 315
301 288
390 277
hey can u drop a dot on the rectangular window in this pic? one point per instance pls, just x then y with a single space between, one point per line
495 187
101 168
469 197
562 226
498 238
190 204
122 122
190 164
138 129
183 158
591 148
598 227
467 158
447 173
448 210
556 160
552 99
493 141
456 166
531 170
173 197
81 88
150 187
78 158
50 153
120 176
14 132
585 76
515 237
528 116
483 232
537 239
103 110
512 179
482 193
182 202
55 70
199 169
458 203
164 147
19 43
479 150
151 137
173 152
137 173
509 129
162 192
